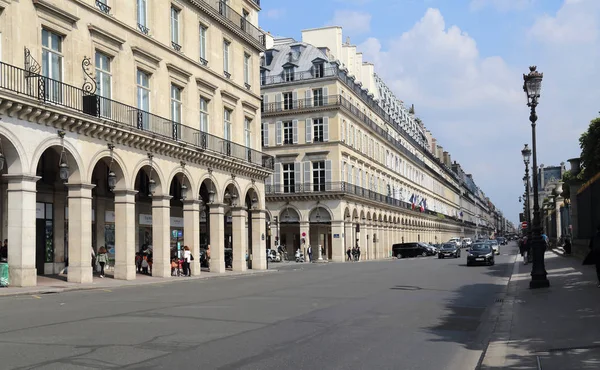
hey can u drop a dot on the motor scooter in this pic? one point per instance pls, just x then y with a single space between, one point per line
299 256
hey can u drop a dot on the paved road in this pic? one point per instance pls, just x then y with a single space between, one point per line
420 313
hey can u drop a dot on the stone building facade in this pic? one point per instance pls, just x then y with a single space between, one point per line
352 165
124 123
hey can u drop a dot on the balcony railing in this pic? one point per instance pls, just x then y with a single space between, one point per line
53 92
282 106
103 7
344 188
298 76
237 20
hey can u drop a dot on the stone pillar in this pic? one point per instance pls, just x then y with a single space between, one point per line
259 246
338 252
386 246
161 238
557 203
362 236
191 232
348 241
100 224
60 199
238 228
21 230
80 233
217 237
125 231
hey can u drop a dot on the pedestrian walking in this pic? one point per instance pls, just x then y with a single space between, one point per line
524 249
358 253
309 252
568 245
593 258
102 260
187 258
349 254
4 251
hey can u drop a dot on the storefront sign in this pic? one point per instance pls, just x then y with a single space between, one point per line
336 236
176 221
145 219
109 216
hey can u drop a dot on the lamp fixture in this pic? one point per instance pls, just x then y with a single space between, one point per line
184 187
112 177
151 182
63 167
526 153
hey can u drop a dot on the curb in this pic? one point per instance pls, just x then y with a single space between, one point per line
165 281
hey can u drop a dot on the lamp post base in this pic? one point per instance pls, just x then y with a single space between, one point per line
537 283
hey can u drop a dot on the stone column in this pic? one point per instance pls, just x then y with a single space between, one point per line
259 246
386 245
557 203
338 252
238 228
161 238
21 230
217 237
80 233
100 214
362 236
60 199
191 232
125 231
348 241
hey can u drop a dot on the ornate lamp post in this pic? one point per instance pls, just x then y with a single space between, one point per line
532 86
526 152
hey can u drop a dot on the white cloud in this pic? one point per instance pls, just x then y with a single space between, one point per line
500 5
353 22
275 13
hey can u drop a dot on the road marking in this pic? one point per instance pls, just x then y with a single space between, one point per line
36 296
107 290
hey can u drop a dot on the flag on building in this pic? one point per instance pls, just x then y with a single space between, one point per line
412 201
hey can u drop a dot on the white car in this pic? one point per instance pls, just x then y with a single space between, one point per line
495 246
455 241
467 242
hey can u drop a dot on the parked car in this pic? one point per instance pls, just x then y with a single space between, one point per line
403 250
480 253
449 250
432 248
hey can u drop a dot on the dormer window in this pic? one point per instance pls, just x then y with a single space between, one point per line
319 70
288 74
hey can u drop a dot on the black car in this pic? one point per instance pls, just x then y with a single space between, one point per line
501 240
480 253
402 250
449 250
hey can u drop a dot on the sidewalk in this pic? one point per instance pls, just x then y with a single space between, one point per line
551 329
58 283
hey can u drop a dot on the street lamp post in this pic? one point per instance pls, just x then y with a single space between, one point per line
532 86
526 152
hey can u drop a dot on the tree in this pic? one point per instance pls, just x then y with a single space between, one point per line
589 142
567 178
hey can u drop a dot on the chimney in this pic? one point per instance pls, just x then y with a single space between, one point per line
445 158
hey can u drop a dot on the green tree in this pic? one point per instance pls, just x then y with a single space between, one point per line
567 178
590 150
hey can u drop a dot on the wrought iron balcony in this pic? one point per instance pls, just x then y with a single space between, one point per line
237 20
227 74
299 104
203 61
176 46
103 7
52 92
143 29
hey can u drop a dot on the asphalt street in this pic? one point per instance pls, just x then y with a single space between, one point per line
421 313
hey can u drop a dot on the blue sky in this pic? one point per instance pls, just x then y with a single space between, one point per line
461 63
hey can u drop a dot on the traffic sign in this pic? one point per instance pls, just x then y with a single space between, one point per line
524 225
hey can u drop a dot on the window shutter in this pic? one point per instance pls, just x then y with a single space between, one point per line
265 128
297 176
278 128
266 102
295 131
294 99
307 177
308 96
268 184
325 96
277 178
343 171
325 128
278 105
328 174
308 127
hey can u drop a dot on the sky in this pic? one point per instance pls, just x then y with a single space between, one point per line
461 63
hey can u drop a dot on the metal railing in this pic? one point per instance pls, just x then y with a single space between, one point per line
237 19
298 76
53 92
314 102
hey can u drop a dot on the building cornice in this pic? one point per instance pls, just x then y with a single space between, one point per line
97 31
56 11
